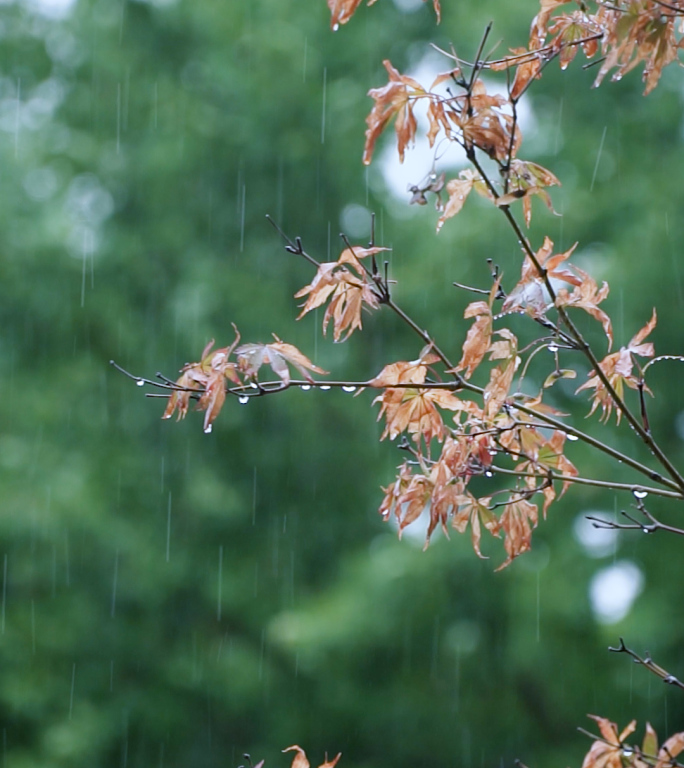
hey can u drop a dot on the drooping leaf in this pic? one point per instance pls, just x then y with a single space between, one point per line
345 283
278 355
618 368
530 294
208 378
518 520
300 760
393 100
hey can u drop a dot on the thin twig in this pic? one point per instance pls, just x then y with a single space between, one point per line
615 486
650 665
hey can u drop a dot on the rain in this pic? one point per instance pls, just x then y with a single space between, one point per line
184 588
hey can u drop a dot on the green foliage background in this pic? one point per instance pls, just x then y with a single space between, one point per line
176 599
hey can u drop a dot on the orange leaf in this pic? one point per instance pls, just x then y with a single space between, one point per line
278 355
458 190
300 760
517 522
392 100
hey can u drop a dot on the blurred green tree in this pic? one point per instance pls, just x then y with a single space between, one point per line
173 598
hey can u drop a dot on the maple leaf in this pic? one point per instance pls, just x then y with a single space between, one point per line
527 179
640 32
670 749
486 126
607 753
279 355
517 522
475 511
301 761
618 368
587 296
342 10
539 22
476 345
413 372
501 377
415 411
441 490
344 283
540 454
392 100
458 191
530 293
208 377
527 70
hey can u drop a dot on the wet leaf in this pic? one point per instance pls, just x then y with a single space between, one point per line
278 355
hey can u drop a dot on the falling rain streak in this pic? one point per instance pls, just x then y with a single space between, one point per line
598 158
73 686
325 91
220 582
17 119
168 530
4 594
115 581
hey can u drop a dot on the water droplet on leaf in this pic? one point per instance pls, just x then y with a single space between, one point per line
349 389
243 399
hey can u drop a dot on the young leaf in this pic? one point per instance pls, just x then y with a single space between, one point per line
392 100
300 759
501 377
517 522
607 753
207 377
530 293
618 368
475 511
344 283
415 411
587 296
279 356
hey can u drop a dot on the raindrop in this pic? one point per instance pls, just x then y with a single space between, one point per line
335 27
253 385
305 387
349 389
488 473
242 400
572 438
640 494
552 348
325 387
140 382
208 429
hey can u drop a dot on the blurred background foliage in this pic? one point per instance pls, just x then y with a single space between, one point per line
177 599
